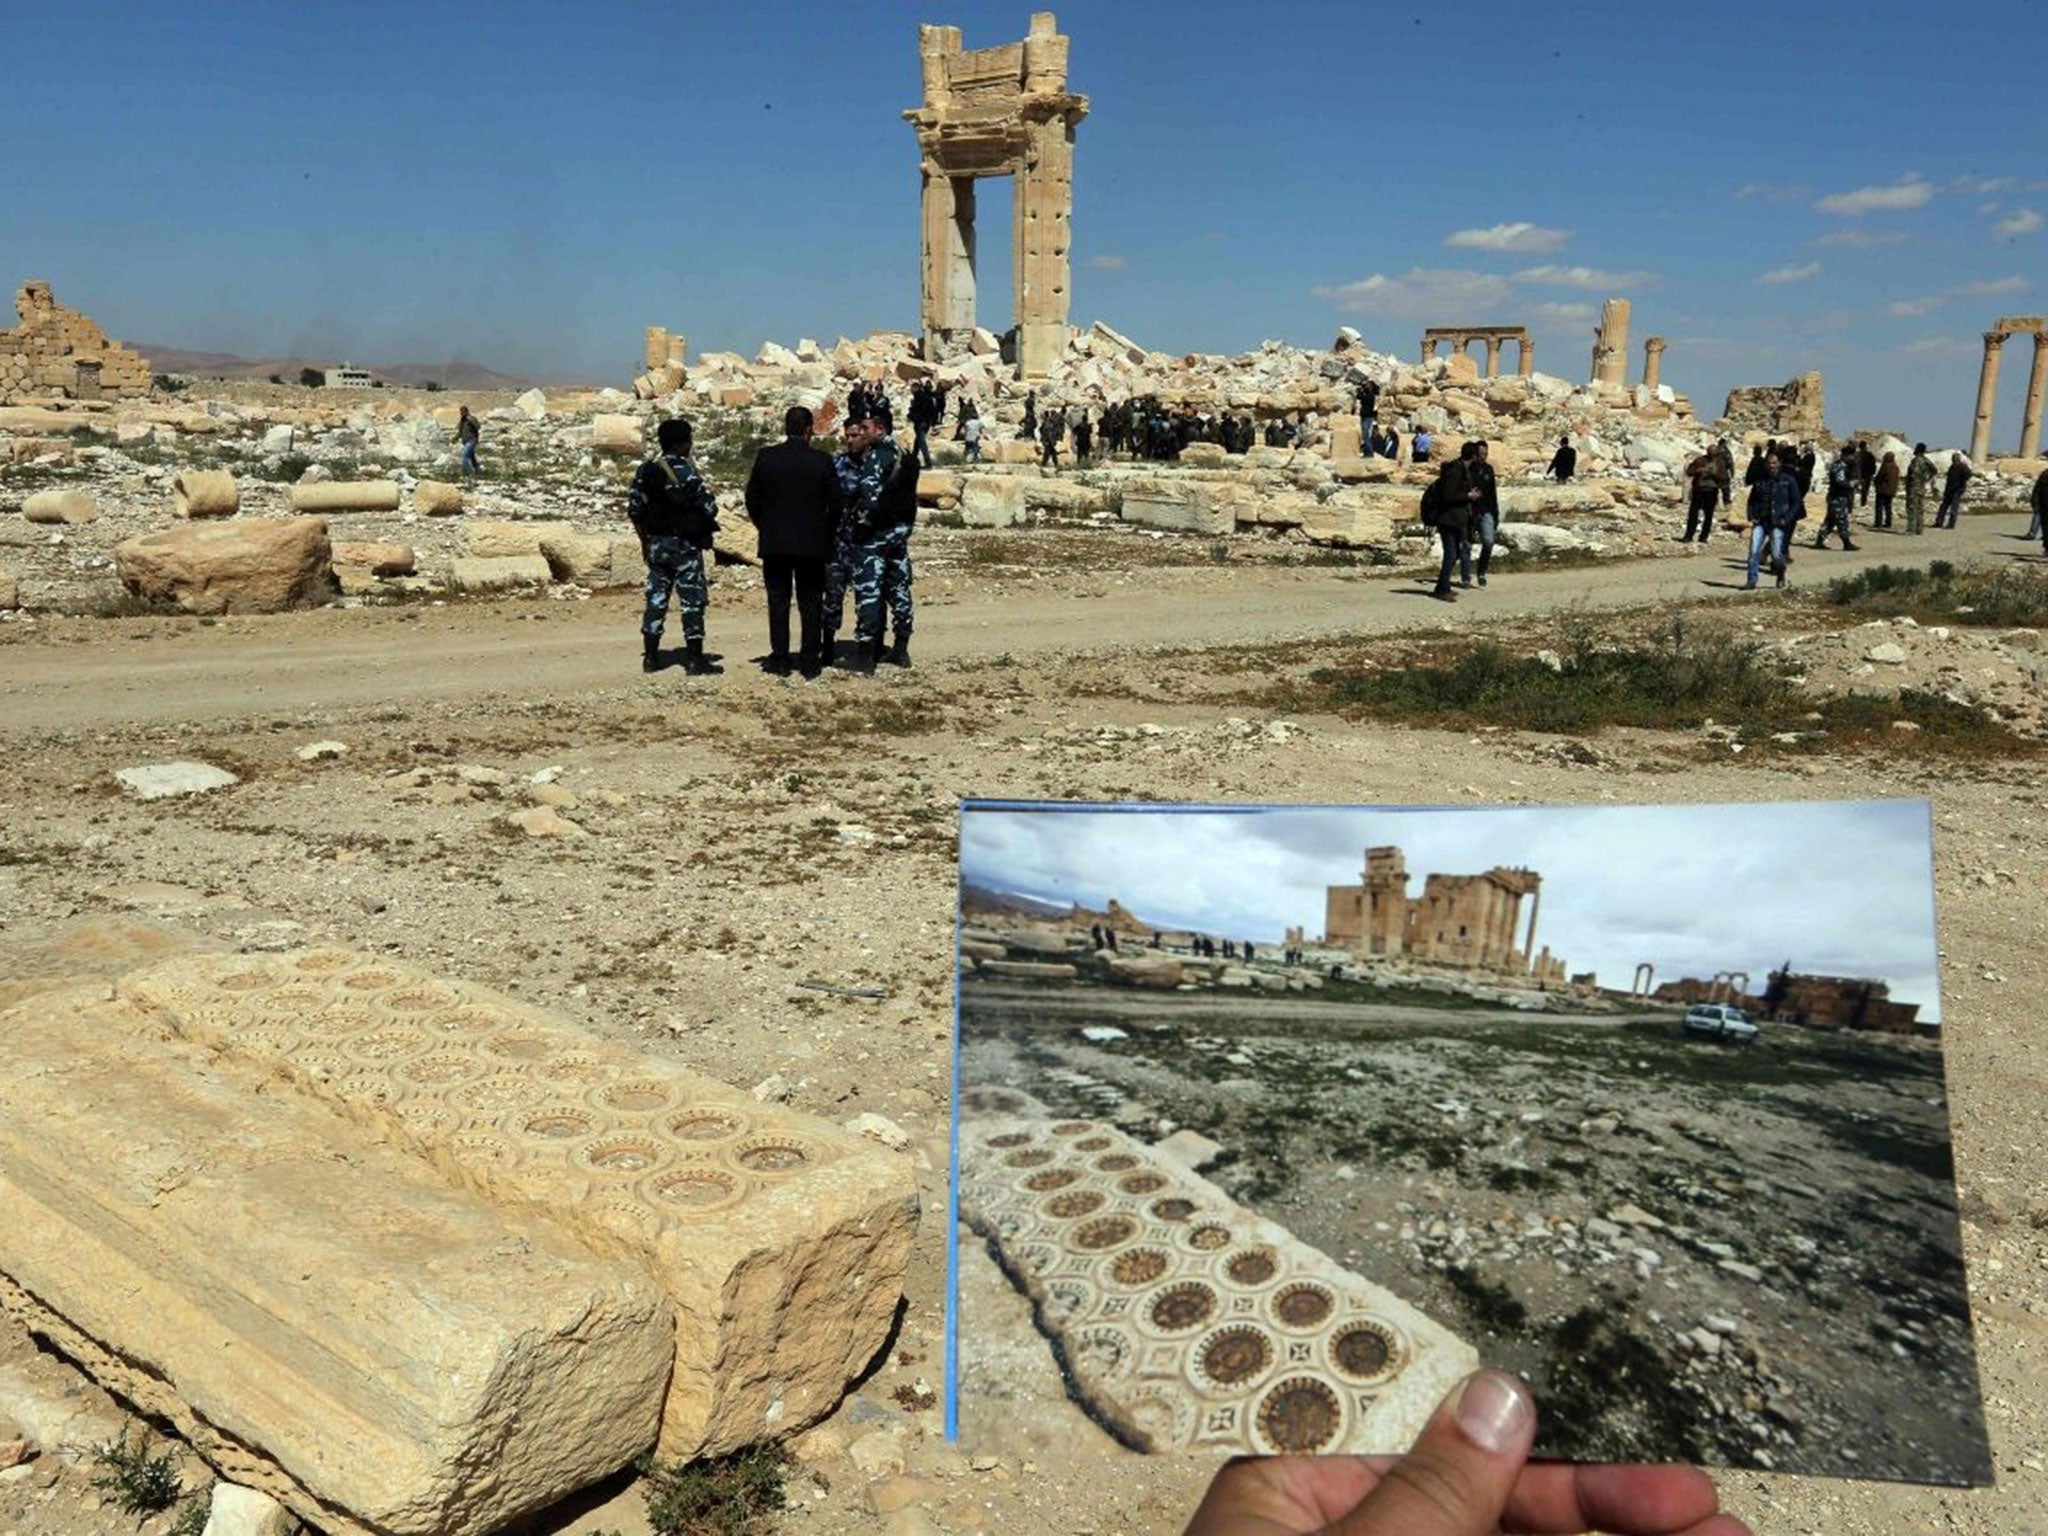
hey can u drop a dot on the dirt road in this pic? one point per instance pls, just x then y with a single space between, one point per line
74 674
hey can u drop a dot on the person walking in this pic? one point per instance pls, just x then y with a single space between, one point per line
1051 427
1485 510
1423 441
925 413
2040 504
1722 452
1886 483
1919 481
970 436
1953 485
1565 462
1774 510
794 501
1703 476
1084 440
1866 473
467 431
1447 507
676 518
1841 497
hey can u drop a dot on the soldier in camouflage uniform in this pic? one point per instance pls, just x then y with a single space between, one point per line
845 545
881 507
676 517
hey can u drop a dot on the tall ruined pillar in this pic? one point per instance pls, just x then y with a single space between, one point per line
1653 360
1493 357
1044 232
1987 397
1525 366
1535 904
1386 902
1610 344
2037 386
947 268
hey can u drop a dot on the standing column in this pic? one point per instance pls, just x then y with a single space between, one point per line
1428 350
936 227
1526 364
1987 398
1492 357
2037 386
1653 360
1535 903
1504 932
1045 205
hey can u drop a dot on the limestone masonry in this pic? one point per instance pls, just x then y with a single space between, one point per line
997 112
409 1255
58 351
1459 920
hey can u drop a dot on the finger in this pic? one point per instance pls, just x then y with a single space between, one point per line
1556 1497
1456 1478
1281 1495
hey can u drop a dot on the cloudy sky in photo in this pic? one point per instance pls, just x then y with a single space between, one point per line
1856 188
1837 888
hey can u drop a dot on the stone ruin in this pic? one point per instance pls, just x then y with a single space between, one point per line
59 352
1610 344
1795 411
1987 386
1002 111
1186 1322
1461 337
1467 922
411 1257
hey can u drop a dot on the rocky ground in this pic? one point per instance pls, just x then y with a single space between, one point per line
714 845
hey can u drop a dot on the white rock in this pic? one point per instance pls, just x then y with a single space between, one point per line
880 1128
158 781
1891 653
277 440
533 405
772 1089
318 751
238 1511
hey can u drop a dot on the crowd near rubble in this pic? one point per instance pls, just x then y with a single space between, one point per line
176 497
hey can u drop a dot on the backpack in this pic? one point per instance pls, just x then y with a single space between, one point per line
691 512
1433 503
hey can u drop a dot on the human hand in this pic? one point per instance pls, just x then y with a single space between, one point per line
1466 1475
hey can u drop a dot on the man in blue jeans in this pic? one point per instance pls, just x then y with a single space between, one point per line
1775 508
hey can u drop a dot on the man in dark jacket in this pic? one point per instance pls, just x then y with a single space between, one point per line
794 501
1449 500
2040 505
1952 487
1485 509
1841 497
1775 508
1565 462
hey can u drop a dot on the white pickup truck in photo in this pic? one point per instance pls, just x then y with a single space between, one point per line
1718 1021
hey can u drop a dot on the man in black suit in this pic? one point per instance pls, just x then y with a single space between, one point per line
794 500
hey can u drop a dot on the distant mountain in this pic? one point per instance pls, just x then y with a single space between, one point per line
982 898
453 374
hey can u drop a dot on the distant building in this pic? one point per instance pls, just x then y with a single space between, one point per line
1817 1002
349 376
1467 921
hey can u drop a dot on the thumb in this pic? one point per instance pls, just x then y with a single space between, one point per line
1456 1478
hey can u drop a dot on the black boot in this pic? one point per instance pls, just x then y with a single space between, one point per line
695 663
898 655
864 656
828 647
650 653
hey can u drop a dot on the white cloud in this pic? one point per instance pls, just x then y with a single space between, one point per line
1790 274
1909 191
1582 277
1939 346
1423 292
1989 288
1561 314
1978 186
1107 263
2021 221
1863 237
1776 192
1520 237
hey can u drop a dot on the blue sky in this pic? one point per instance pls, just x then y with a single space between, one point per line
1838 888
1856 188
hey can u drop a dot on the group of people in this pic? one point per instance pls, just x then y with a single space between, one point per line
1779 479
828 523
